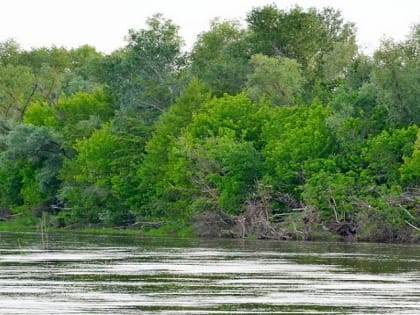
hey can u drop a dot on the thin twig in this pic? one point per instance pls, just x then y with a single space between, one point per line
413 226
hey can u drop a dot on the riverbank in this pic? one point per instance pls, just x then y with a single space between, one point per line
285 231
36 225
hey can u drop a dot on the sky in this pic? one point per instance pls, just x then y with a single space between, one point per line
105 23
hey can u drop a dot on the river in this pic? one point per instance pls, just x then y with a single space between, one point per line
90 274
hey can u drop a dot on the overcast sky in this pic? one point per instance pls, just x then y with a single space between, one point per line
104 23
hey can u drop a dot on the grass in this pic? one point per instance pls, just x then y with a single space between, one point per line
32 224
20 224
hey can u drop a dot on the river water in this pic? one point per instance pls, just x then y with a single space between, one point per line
84 274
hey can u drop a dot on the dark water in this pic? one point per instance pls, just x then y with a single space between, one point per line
81 274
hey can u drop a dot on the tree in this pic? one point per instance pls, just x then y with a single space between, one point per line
395 79
358 73
83 73
50 67
88 180
9 52
295 136
391 146
298 34
40 156
170 125
42 75
277 80
337 61
220 57
144 76
332 193
223 169
75 116
410 169
209 162
219 154
320 41
17 90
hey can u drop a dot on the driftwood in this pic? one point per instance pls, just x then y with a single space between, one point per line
147 224
256 221
55 207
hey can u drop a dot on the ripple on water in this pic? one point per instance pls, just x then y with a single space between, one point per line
143 276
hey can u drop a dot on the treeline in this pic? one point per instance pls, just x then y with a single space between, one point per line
277 129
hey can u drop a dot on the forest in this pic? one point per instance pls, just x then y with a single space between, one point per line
277 127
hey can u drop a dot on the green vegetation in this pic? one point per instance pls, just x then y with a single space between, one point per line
279 129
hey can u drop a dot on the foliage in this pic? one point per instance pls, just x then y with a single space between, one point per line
277 80
89 178
144 76
39 156
410 169
295 136
320 41
17 87
278 128
220 56
152 171
332 193
396 76
391 148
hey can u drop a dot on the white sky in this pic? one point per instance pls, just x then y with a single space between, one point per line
104 23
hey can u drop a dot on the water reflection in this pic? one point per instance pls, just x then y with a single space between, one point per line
82 274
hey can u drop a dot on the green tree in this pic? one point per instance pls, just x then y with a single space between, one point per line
88 180
337 62
170 125
277 80
17 89
144 76
210 162
384 154
396 77
10 184
332 193
298 34
223 169
320 41
9 52
83 74
42 75
40 155
50 67
220 57
295 136
410 169
75 116
358 73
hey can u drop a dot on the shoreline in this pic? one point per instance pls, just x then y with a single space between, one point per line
16 227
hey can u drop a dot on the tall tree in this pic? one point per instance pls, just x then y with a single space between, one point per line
396 77
17 91
319 40
276 79
144 76
39 154
9 52
220 57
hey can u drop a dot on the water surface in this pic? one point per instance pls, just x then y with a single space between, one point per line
84 274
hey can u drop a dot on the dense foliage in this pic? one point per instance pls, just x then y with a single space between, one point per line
279 129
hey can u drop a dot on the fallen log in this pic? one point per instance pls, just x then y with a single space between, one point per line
148 224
